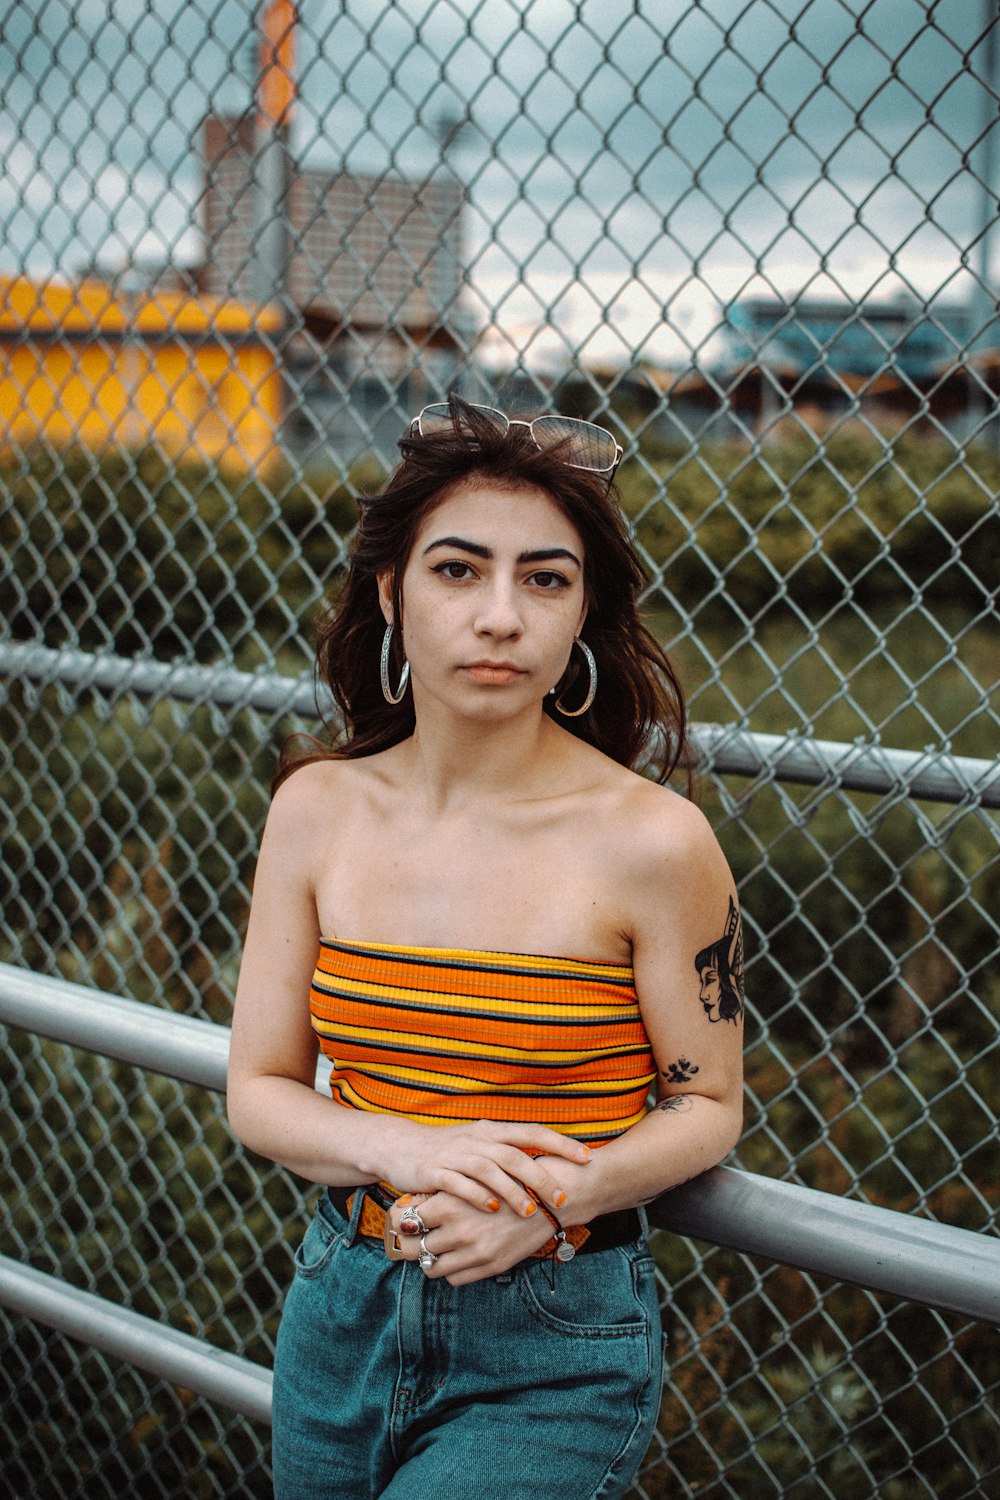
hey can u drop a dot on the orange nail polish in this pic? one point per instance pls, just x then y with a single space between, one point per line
493 1204
406 1198
529 1208
559 1199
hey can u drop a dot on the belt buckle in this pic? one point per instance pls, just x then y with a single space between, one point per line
392 1242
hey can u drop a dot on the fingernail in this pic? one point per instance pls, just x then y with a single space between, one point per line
585 1152
406 1198
559 1199
528 1208
493 1204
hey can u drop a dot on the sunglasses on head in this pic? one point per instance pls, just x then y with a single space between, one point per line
587 446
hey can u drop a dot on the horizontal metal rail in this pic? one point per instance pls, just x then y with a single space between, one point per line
226 687
181 1358
159 1040
928 775
955 1270
925 775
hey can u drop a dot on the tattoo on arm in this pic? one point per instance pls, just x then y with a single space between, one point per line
720 970
681 1071
676 1104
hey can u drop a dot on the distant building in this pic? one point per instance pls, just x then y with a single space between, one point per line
362 249
369 281
91 364
892 362
868 338
810 364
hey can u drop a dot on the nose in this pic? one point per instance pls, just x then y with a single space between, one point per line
499 614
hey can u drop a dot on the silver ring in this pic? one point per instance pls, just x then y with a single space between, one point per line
414 1224
426 1257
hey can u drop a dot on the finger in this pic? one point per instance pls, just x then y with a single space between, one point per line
434 1267
545 1184
482 1172
441 1205
540 1176
464 1263
468 1275
412 1246
538 1139
408 1200
469 1182
550 1143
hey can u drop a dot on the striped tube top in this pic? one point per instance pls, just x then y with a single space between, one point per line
447 1034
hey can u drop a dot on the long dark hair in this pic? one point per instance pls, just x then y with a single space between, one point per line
638 717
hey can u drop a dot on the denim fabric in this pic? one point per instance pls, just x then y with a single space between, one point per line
389 1385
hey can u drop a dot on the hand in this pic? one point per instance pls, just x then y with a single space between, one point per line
469 1245
483 1163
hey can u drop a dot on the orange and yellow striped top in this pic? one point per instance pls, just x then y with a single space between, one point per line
447 1034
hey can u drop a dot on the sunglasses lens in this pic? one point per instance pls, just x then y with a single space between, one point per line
435 418
438 417
588 446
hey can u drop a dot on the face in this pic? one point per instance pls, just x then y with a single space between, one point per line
493 598
711 990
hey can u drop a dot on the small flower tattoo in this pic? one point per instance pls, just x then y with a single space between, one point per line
681 1071
677 1103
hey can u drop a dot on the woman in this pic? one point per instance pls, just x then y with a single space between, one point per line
491 925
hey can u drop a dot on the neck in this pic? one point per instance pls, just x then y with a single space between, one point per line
456 763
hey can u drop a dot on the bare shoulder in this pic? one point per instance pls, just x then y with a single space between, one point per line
320 789
670 865
661 826
682 913
314 780
314 799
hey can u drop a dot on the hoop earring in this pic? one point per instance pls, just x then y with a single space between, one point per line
387 692
574 713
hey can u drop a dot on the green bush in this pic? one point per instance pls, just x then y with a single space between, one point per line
806 524
125 553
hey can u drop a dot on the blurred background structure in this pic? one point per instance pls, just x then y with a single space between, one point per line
241 244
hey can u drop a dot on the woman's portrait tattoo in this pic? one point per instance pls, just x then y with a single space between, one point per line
720 969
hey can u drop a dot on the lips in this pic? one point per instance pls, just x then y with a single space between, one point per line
492 672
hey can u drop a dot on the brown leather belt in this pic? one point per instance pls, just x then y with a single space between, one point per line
603 1233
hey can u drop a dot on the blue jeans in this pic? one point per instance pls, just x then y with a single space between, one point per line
389 1386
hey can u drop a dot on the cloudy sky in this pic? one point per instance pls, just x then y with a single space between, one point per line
631 165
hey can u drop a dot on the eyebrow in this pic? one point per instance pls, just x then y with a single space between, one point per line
543 554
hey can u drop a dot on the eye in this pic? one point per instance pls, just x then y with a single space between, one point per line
549 580
455 569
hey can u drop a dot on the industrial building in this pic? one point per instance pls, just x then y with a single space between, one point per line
365 271
98 365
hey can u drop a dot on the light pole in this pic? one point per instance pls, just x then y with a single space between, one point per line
985 330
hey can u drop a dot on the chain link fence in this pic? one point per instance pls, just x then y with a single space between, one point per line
241 246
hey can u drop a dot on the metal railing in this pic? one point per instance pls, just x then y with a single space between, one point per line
946 1268
721 749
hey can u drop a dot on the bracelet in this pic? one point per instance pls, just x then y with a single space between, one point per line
564 1251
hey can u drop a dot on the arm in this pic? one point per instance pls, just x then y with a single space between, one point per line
688 961
272 1103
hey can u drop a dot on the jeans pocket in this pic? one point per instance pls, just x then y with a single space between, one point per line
590 1297
317 1246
